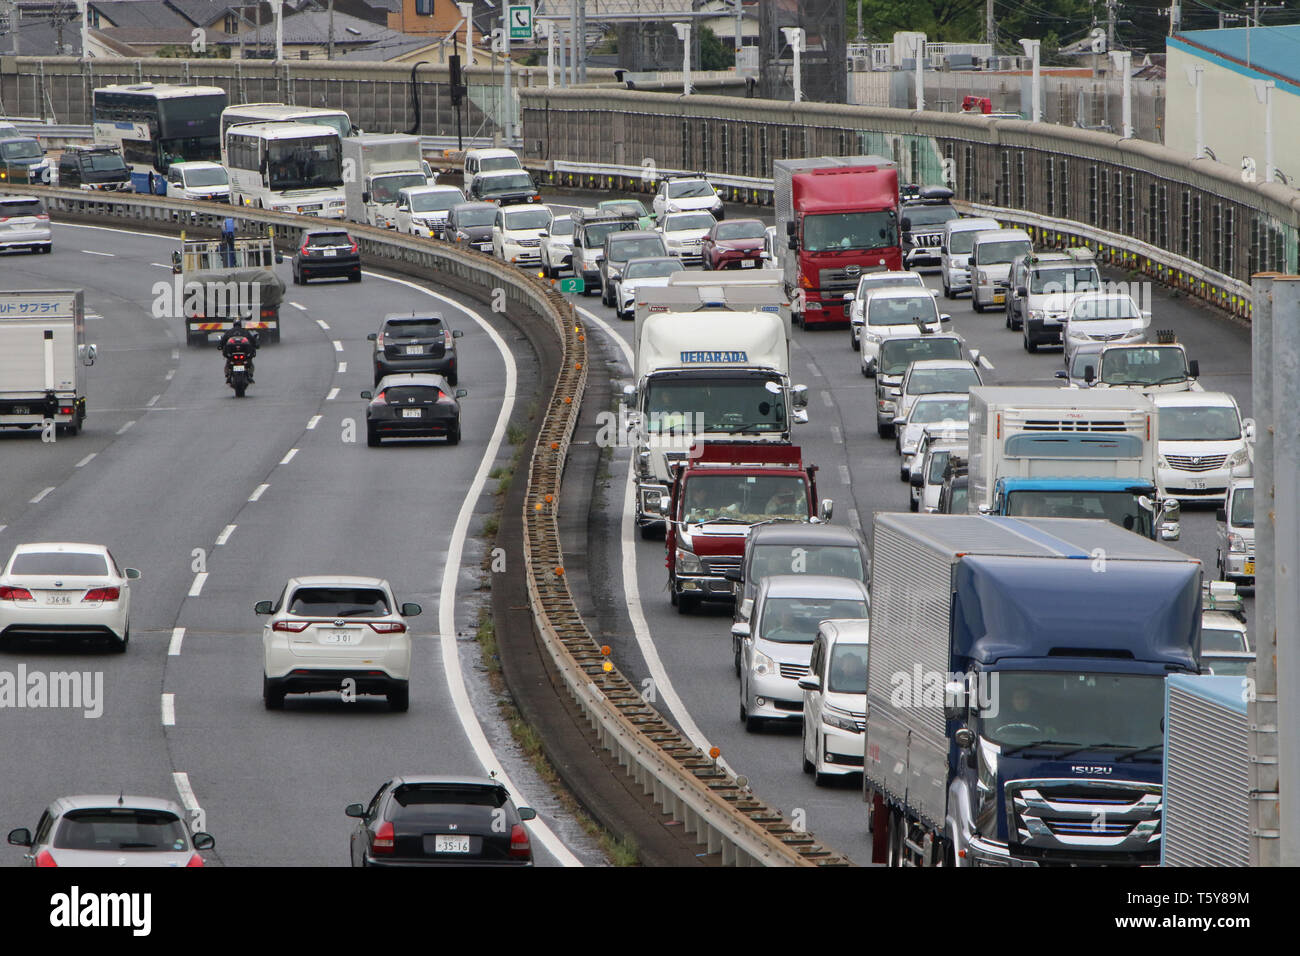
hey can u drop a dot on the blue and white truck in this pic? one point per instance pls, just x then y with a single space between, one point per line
1016 689
1068 453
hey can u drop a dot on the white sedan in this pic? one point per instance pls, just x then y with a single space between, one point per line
66 592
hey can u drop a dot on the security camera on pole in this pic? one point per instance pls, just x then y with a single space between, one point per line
684 34
1032 48
795 37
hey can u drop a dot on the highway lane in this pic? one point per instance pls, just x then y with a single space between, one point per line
860 471
171 495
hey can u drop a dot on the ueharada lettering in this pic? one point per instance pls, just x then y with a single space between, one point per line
713 357
73 909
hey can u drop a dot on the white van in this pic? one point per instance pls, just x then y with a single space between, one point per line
489 161
991 256
954 252
835 700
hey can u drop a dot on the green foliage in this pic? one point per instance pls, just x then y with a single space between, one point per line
714 54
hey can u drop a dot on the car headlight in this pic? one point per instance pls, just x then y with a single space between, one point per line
337 203
764 666
1238 457
1037 315
687 562
1161 461
672 207
842 720
1236 543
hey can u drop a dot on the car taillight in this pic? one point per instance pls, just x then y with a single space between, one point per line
293 627
354 247
102 594
380 340
15 594
195 860
303 251
446 338
520 847
45 859
384 841
444 398
379 399
65 409
388 627
43 215
268 313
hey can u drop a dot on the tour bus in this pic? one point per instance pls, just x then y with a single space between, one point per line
286 167
157 124
244 113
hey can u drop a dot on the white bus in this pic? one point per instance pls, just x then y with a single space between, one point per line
336 120
286 167
157 124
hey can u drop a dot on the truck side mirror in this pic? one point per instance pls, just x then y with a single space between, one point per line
793 243
916 479
373 336
740 629
629 394
1089 374
954 697
1194 368
666 507
365 198
1061 373
89 358
734 576
457 333
810 682
945 317
800 416
790 228
799 396
1022 291
849 297
906 224
826 509
176 263
1221 515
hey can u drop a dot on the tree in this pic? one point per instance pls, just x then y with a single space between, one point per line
713 54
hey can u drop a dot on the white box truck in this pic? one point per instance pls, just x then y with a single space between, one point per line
43 360
376 166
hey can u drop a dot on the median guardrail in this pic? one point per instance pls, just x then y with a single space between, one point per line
713 805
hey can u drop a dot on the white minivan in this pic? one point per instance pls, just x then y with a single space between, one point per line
991 256
489 161
835 700
954 253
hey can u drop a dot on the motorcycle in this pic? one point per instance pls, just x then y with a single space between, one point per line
239 368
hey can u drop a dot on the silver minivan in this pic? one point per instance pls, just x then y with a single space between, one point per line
1236 531
25 224
954 253
990 265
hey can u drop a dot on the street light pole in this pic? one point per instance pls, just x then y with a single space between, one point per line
1123 60
1032 48
684 34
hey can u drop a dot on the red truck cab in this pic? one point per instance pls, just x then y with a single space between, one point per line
720 492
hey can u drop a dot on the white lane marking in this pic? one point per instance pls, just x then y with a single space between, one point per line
153 401
323 324
176 354
334 393
178 636
199 580
289 456
92 252
837 436
226 532
338 346
814 370
86 461
844 475
299 306
451 573
88 316
343 367
855 521
257 493
171 374
315 420
188 800
985 363
122 430
160 265
3 526
636 613
827 400
41 497
169 710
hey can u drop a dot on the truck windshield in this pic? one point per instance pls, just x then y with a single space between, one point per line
1143 366
21 151
1199 423
938 462
1004 252
896 356
962 241
958 502
902 310
683 407
308 163
748 498
928 215
840 561
1054 281
1118 507
836 231
1225 666
1243 508
1081 708
795 620
384 189
436 201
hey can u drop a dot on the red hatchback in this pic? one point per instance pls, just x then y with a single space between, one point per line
735 244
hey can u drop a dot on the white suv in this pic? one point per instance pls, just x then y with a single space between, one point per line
874 280
687 194
1203 444
323 631
422 210
518 231
892 313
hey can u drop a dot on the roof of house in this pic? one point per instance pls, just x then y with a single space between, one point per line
1274 51
312 27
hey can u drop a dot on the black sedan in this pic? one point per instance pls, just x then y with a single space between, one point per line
413 406
441 821
326 253
416 343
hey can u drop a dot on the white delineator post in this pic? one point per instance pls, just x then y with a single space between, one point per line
1123 60
684 34
1032 48
795 37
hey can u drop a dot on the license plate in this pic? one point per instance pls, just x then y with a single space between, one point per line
22 410
411 413
445 843
329 252
237 368
999 298
1197 483
340 637
747 264
309 209
1248 567
58 599
485 247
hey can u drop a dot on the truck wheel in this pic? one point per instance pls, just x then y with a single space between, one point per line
271 336
687 604
1030 346
947 290
195 338
895 847
877 826
884 431
649 532
975 303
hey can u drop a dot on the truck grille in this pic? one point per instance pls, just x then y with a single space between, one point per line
1196 463
843 278
528 243
1092 814
720 563
1059 425
928 240
794 671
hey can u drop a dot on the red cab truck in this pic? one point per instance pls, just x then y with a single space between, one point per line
836 218
720 492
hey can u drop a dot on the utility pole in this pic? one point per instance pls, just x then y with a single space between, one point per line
573 42
739 32
859 2
990 30
582 41
329 52
506 77
1110 23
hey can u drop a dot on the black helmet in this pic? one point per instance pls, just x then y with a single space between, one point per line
238 323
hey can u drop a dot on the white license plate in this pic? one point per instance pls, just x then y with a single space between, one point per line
58 599
339 637
443 843
411 413
485 247
414 349
1197 483
747 263
237 368
329 252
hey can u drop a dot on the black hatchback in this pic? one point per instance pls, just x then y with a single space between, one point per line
326 253
441 821
416 343
413 406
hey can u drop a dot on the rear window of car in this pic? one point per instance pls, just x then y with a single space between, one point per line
121 830
741 230
21 207
416 329
412 394
58 562
441 794
329 239
339 602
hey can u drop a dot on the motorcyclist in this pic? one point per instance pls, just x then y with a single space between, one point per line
239 339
